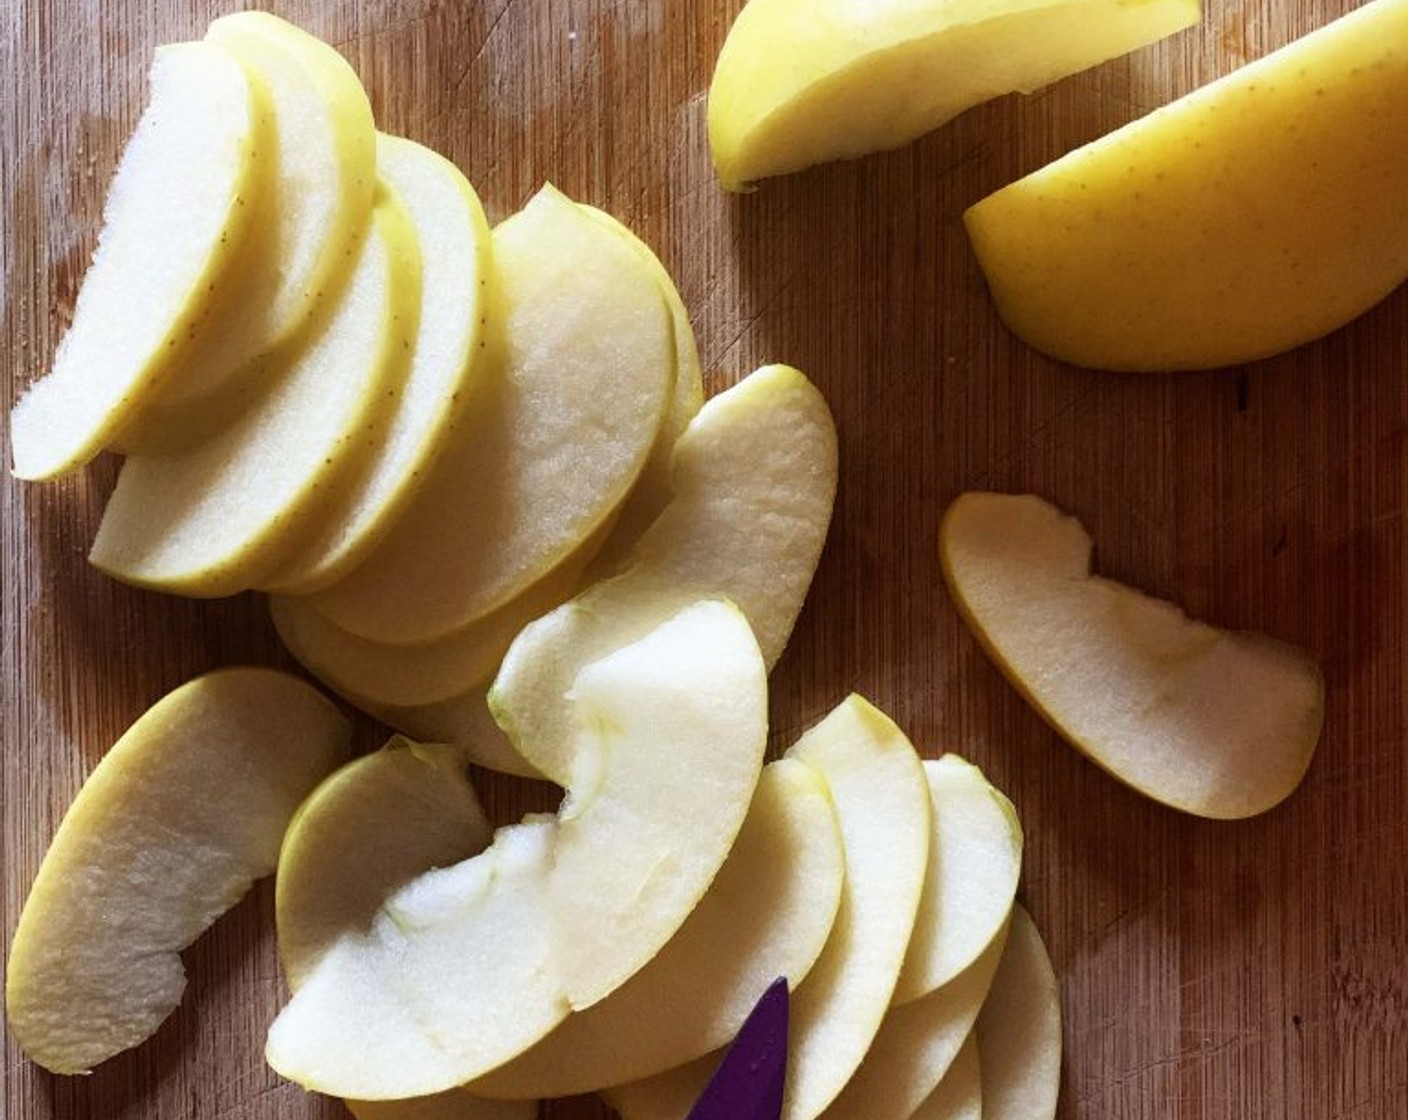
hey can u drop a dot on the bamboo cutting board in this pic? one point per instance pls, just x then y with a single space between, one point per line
1209 971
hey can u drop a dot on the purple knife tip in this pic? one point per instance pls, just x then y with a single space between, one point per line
749 1082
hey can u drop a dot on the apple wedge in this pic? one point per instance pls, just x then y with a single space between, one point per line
754 481
467 966
882 803
215 519
183 813
1214 723
861 78
178 217
960 1094
1019 1030
549 449
449 357
1253 215
766 914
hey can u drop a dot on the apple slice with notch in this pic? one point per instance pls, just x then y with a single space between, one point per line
215 519
449 356
1019 1030
466 966
549 448
864 78
1255 214
179 215
1214 723
882 804
754 482
172 827
960 1094
767 914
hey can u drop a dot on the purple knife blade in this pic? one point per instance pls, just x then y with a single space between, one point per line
749 1081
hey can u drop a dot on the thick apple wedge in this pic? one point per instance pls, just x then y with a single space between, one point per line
1019 1030
1255 214
767 914
877 785
547 450
183 813
754 481
1211 722
465 967
217 518
861 78
178 217
960 1094
450 354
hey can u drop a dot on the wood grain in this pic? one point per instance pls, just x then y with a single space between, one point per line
1208 971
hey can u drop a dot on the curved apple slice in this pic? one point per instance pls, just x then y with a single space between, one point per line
864 78
766 914
547 450
1019 1030
960 1094
183 813
1254 214
178 216
1214 723
448 358
975 860
214 519
754 482
467 966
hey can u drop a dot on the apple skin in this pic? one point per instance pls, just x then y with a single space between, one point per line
1255 214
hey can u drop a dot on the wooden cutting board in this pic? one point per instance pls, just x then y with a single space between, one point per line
1209 971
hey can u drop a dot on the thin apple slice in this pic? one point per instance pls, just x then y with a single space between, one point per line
178 216
1019 1030
1214 723
975 860
960 1094
882 803
215 519
861 78
183 813
463 720
449 357
549 449
766 914
1252 215
467 966
754 481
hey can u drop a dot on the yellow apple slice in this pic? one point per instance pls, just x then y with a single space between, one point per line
448 358
767 914
861 78
467 966
214 519
177 218
960 1094
1019 1030
975 860
1255 214
183 813
754 481
465 721
882 803
1207 721
547 451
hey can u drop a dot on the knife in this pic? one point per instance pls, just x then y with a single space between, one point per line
749 1081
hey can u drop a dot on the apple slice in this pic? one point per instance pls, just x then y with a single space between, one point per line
754 482
466 967
959 1095
215 519
877 785
465 721
767 914
1019 1030
1257 213
449 357
549 449
861 78
975 860
178 216
183 813
1213 723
